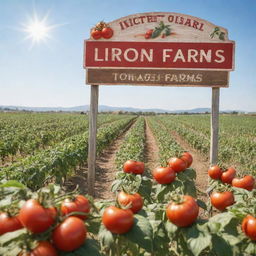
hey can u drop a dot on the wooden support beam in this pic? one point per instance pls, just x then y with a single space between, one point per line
214 125
92 138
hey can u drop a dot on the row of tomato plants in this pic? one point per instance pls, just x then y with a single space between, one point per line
28 132
133 144
236 143
56 163
168 146
25 136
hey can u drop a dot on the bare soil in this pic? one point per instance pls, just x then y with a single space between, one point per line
151 150
105 171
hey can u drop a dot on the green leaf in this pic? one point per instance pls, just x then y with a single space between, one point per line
191 173
12 183
89 248
141 233
106 237
222 218
93 225
221 247
251 249
170 228
222 36
9 237
197 241
201 204
157 32
116 185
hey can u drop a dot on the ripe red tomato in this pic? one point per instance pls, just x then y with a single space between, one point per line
79 204
8 223
221 200
135 167
135 200
247 182
215 172
249 227
177 164
228 175
116 220
149 33
183 214
70 234
187 157
96 34
147 36
164 175
35 217
44 248
107 32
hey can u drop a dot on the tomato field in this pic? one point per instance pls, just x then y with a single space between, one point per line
160 195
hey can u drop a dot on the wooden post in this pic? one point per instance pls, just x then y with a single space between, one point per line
92 138
214 125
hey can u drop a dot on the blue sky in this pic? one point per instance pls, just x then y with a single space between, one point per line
51 73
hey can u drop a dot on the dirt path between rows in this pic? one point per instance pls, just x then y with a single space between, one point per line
151 149
105 171
105 168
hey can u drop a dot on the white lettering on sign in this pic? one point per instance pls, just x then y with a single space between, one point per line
221 57
168 55
165 54
179 56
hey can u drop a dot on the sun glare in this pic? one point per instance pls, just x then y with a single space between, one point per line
37 31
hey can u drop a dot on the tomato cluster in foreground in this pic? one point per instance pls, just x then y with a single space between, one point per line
144 210
67 224
224 198
182 211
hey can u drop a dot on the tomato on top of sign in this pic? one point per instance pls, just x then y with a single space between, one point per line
159 41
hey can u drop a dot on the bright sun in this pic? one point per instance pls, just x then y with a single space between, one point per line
37 31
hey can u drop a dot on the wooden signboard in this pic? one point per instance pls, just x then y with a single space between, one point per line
157 49
158 77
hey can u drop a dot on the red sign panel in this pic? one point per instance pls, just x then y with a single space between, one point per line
173 55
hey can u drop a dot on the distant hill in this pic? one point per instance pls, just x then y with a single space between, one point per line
103 108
